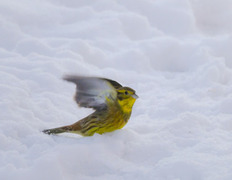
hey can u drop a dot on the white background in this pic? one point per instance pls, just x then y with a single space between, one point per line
177 55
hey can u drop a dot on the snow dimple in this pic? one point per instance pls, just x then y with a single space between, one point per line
175 54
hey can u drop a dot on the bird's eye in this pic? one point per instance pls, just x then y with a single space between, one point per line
126 93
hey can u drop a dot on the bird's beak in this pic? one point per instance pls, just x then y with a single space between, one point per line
135 96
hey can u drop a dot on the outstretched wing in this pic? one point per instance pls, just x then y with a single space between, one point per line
93 92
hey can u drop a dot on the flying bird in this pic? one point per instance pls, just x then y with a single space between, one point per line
111 101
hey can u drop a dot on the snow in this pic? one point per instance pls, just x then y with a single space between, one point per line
176 54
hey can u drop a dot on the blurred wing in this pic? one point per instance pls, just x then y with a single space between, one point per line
94 92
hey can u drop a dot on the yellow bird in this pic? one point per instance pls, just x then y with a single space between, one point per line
111 101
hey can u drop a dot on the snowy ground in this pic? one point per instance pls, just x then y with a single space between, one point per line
175 53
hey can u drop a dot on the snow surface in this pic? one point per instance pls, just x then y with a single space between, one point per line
175 53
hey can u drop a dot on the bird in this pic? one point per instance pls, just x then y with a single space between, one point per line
112 104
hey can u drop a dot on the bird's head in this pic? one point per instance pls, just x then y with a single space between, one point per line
126 97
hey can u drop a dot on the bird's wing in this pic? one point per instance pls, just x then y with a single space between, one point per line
93 92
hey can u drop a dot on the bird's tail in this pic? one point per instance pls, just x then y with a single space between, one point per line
58 130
